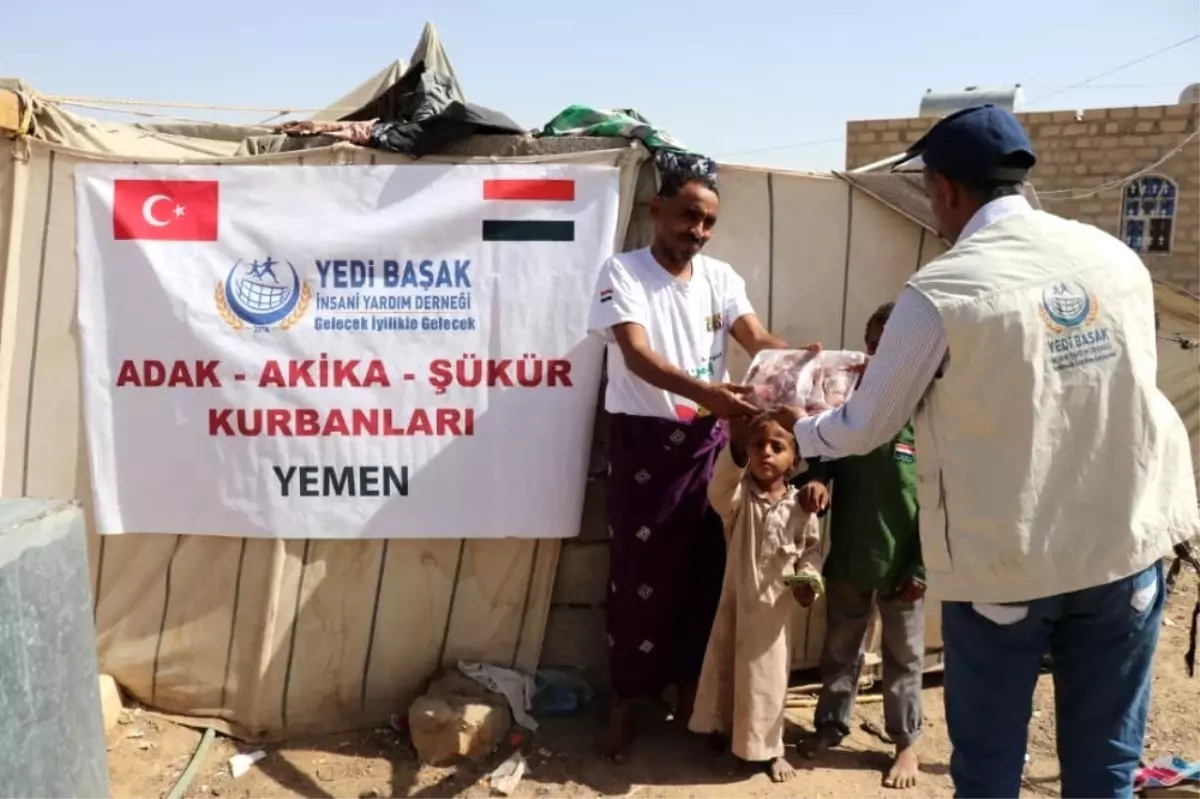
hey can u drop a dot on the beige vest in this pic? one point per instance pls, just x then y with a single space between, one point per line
1048 461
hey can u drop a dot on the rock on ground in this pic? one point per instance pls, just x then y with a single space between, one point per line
457 718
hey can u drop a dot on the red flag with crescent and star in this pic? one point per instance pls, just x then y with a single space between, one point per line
165 210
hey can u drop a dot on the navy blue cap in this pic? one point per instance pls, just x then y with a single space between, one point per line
981 143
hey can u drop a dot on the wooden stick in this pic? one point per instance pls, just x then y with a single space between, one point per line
798 702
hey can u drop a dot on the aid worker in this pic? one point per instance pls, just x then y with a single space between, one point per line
1053 475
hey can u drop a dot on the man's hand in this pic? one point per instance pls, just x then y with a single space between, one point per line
727 401
813 497
804 594
788 415
911 590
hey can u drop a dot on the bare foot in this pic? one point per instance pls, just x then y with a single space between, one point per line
827 738
615 740
903 773
779 770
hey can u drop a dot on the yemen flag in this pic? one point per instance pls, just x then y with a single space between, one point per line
528 191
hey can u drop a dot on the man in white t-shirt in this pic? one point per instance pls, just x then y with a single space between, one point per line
667 312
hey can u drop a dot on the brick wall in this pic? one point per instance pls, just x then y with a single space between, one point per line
1080 152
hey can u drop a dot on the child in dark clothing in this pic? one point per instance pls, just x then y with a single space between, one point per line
874 559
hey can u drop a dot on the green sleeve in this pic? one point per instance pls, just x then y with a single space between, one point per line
917 569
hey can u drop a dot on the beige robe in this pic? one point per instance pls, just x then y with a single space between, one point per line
743 685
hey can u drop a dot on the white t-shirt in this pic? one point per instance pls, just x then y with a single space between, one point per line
686 322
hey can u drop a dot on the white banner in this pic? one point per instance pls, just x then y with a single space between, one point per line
341 352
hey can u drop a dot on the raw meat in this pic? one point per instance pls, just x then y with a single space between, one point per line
797 377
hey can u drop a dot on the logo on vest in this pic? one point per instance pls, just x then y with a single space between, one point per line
904 453
1070 311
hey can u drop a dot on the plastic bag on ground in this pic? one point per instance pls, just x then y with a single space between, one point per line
815 382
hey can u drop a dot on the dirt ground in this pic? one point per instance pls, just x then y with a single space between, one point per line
147 754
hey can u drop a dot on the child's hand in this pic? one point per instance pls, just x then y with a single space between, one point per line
804 594
813 497
911 590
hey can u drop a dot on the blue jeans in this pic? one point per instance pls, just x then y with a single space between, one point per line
1101 642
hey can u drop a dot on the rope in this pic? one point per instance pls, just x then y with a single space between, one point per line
1120 181
89 102
151 115
1108 72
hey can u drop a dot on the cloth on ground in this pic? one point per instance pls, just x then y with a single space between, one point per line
667 553
514 686
1166 772
743 686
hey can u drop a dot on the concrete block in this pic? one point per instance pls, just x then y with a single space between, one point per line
582 575
1150 112
576 638
1122 113
1174 125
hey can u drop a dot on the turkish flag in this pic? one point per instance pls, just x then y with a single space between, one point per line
165 210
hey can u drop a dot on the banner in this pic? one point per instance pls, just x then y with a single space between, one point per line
341 352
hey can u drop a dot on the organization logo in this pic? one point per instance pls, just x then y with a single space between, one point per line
1067 305
262 294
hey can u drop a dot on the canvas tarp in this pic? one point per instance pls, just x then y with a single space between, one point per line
429 51
1179 357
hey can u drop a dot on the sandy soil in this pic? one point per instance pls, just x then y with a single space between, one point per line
147 754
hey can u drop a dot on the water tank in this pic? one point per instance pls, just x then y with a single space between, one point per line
51 727
1190 95
935 105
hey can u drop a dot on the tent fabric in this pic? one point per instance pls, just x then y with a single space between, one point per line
1179 356
359 96
262 638
197 139
904 193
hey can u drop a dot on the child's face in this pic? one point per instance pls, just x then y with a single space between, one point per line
874 334
771 451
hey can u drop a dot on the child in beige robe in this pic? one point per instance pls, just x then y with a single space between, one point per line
773 554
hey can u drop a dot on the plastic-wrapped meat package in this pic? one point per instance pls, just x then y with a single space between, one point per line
798 377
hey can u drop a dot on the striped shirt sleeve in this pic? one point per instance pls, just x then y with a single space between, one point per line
910 353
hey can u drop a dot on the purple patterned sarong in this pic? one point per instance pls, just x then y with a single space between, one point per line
667 550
